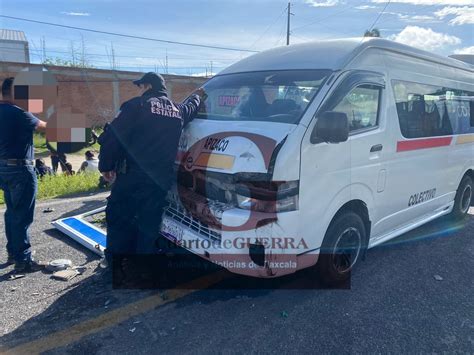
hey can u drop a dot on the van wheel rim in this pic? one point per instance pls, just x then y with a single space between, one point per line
346 250
466 199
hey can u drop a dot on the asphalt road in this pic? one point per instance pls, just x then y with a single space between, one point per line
414 294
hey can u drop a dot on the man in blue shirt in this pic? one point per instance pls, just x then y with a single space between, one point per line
17 177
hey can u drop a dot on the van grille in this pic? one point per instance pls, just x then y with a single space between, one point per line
180 215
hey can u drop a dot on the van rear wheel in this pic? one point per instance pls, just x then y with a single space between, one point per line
342 247
463 199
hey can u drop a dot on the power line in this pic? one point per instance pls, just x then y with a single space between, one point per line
380 15
281 36
97 64
306 39
397 19
123 65
319 19
334 30
118 56
268 28
376 20
130 36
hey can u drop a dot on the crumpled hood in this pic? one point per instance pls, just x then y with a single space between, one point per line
230 147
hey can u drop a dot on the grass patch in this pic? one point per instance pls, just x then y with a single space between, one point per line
39 142
99 220
62 185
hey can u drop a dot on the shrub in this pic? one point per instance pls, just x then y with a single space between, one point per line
62 185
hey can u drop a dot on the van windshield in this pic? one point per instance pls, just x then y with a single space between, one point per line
274 96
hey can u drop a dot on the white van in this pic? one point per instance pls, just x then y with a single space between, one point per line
313 153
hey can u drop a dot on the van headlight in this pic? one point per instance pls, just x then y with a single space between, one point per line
287 204
270 197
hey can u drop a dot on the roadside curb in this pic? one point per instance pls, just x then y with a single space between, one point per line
59 200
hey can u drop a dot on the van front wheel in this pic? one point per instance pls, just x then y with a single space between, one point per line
463 199
341 249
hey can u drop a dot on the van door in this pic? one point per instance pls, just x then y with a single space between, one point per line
334 174
420 169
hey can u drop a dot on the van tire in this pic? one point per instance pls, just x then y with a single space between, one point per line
347 231
463 199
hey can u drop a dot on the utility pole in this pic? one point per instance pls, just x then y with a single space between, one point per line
211 68
166 62
288 25
83 52
73 53
113 56
43 47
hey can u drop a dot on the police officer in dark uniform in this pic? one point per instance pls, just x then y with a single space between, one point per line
18 177
137 153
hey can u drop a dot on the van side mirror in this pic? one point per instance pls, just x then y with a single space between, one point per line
331 127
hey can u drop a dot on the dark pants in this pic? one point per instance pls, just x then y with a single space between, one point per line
57 160
54 162
19 184
134 212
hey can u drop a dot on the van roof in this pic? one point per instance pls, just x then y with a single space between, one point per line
330 54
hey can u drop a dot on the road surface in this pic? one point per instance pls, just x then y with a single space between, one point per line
413 294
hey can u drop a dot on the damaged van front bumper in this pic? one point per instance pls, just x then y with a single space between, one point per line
271 249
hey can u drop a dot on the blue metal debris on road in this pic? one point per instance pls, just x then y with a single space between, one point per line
83 232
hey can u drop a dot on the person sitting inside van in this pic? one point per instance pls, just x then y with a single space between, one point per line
252 105
90 165
42 169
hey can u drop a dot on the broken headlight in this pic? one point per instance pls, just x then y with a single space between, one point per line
270 197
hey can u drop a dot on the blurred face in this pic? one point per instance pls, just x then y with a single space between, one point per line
37 99
36 91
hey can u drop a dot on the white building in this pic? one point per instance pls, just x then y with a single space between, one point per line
14 46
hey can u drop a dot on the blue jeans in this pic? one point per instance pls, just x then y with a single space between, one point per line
19 184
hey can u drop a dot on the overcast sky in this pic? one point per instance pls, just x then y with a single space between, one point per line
441 26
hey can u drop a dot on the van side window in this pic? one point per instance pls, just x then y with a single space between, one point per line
430 111
361 106
469 107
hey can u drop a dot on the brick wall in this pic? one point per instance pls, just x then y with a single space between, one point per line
98 93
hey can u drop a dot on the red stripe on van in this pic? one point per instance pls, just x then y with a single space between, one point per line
404 146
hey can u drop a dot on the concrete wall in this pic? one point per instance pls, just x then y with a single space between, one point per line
99 93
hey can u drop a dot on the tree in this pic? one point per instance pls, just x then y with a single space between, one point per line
78 57
65 63
372 33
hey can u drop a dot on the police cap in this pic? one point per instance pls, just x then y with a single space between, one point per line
155 80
